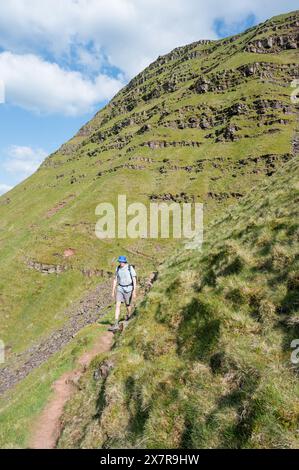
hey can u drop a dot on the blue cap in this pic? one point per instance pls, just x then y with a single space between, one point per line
122 259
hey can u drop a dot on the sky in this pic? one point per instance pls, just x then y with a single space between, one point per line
62 61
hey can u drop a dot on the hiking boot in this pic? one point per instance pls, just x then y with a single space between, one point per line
114 327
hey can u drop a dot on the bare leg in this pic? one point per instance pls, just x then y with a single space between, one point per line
129 310
117 311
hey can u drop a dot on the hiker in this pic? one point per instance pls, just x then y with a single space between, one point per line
124 289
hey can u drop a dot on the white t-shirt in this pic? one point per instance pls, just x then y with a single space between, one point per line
124 280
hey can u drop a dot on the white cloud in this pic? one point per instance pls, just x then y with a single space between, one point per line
4 188
93 35
35 84
130 32
23 160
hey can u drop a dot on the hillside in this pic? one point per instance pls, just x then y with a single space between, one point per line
205 123
206 363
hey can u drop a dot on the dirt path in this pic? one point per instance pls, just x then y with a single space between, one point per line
82 313
48 426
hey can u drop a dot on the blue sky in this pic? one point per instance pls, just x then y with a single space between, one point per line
60 62
41 133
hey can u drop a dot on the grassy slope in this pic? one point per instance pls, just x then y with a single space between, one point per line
79 174
31 304
20 408
206 363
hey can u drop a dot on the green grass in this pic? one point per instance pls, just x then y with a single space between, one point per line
206 363
30 396
33 305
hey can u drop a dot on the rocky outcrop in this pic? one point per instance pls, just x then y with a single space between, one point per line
193 122
144 128
129 166
157 144
85 131
202 85
273 44
205 118
221 196
141 159
180 197
262 106
178 55
69 148
46 268
77 178
221 81
89 272
229 133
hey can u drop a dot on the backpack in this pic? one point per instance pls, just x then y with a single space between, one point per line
132 283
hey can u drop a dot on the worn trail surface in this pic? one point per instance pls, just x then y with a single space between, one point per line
48 427
84 312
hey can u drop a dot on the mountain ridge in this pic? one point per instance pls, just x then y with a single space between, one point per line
207 122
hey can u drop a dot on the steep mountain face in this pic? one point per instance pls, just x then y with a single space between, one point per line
205 123
206 363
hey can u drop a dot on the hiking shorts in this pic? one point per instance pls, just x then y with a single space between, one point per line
124 297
